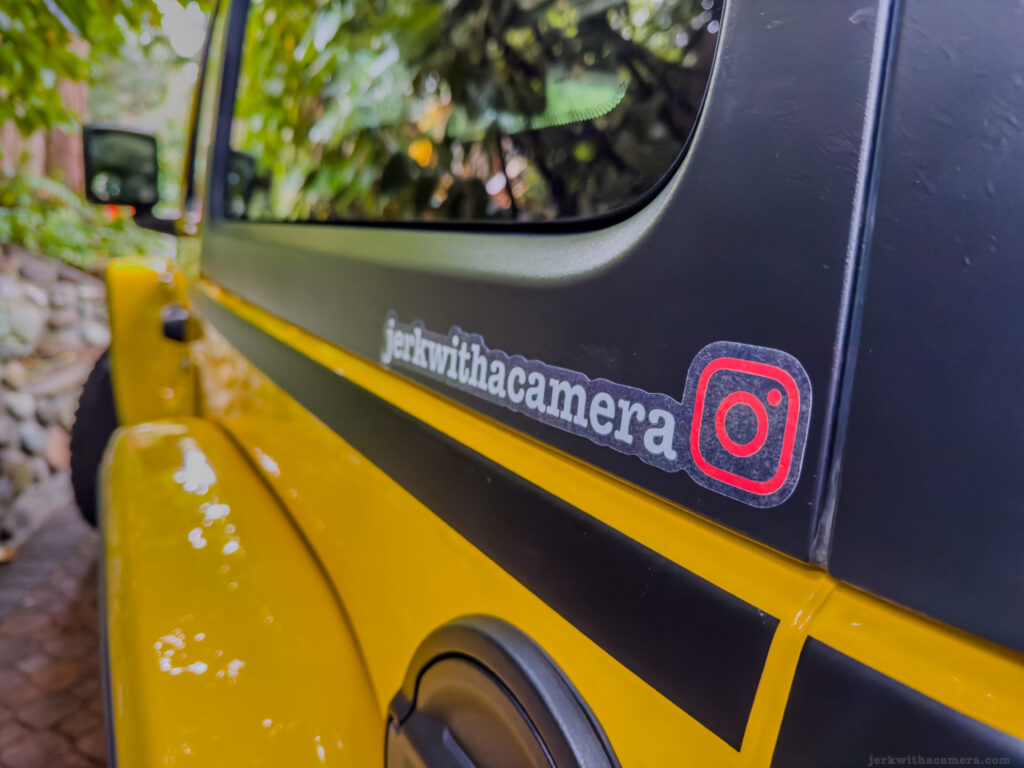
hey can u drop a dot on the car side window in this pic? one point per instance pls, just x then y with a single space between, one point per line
442 111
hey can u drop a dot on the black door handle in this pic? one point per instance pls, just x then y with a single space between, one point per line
177 323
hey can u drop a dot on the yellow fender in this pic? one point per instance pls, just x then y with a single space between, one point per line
225 643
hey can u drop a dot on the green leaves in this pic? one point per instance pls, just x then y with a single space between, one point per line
462 109
45 216
44 41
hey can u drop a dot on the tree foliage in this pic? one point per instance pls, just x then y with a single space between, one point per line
465 109
45 41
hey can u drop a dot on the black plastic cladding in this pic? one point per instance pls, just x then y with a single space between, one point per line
929 508
751 247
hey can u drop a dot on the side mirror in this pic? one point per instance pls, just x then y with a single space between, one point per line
121 168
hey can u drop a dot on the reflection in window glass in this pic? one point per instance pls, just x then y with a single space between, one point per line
462 110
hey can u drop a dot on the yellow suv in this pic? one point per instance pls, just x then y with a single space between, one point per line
571 383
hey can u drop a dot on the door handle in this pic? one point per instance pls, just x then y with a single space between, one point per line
178 324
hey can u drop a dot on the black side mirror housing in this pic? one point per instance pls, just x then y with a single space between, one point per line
122 168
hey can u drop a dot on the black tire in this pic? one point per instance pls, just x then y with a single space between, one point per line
95 422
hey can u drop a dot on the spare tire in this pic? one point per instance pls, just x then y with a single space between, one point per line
95 422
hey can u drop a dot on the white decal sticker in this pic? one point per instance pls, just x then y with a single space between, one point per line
739 430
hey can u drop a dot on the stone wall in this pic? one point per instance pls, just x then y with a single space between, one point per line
53 326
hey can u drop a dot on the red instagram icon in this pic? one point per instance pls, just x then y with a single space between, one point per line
750 409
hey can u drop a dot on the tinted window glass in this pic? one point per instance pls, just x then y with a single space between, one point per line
423 110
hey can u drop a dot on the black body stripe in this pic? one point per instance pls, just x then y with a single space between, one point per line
698 645
843 713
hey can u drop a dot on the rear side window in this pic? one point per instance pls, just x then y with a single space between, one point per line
461 110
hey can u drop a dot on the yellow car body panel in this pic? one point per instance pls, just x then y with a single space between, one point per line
226 645
152 375
402 571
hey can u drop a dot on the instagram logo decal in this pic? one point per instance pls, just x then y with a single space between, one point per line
739 430
750 409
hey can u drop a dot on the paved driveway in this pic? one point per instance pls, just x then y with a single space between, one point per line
51 705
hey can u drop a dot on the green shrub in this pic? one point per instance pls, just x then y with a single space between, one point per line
43 215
